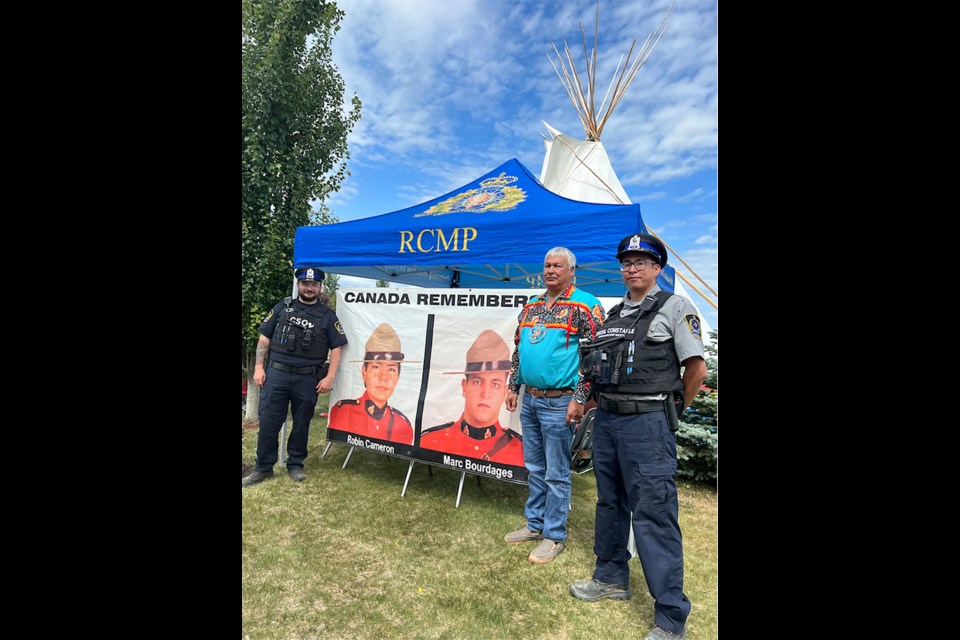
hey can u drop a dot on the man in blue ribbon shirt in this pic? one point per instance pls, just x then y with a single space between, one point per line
547 361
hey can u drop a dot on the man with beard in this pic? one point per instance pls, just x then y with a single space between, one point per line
298 334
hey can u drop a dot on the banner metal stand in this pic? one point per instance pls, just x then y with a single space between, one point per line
463 475
347 459
327 448
409 471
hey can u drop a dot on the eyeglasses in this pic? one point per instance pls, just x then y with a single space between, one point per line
640 265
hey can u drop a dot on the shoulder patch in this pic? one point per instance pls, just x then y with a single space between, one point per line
269 315
338 327
693 323
340 403
400 413
437 428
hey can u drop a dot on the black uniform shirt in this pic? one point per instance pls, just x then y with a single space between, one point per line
328 324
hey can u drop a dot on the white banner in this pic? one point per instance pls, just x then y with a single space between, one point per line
424 376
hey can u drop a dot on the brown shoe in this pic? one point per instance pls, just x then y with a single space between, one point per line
545 552
522 535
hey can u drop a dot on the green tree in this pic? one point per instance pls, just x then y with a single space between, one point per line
705 404
698 437
330 285
294 144
382 283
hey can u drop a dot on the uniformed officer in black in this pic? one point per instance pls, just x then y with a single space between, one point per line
634 363
298 334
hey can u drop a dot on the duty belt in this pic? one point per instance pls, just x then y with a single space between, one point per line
549 393
629 406
315 370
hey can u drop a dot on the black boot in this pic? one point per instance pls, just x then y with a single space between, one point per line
257 477
296 473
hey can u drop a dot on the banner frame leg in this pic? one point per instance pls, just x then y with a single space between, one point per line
409 471
347 459
327 448
463 475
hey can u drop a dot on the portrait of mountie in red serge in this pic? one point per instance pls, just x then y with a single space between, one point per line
370 415
478 434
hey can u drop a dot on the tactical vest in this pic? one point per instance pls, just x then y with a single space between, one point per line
299 331
654 367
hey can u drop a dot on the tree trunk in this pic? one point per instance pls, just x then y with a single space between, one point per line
253 393
253 401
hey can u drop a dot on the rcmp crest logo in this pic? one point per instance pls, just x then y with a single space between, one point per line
494 194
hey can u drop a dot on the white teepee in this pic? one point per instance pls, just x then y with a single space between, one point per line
581 169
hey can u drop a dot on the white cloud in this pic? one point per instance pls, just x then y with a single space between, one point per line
451 89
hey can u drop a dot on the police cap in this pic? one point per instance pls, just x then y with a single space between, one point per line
643 242
310 274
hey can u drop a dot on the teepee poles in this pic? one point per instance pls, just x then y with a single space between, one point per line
582 94
711 302
592 119
677 255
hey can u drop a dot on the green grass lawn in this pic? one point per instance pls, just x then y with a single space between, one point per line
342 555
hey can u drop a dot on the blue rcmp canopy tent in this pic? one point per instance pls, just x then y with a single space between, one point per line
490 233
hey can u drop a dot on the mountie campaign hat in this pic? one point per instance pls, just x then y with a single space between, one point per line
310 274
488 353
643 242
383 346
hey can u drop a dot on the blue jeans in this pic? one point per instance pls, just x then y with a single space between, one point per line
546 453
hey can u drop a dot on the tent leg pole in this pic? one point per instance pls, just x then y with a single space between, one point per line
409 470
347 459
463 475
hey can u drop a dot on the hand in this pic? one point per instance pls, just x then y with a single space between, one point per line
574 412
511 401
259 376
325 385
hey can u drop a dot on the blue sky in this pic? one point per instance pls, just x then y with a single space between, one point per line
453 88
